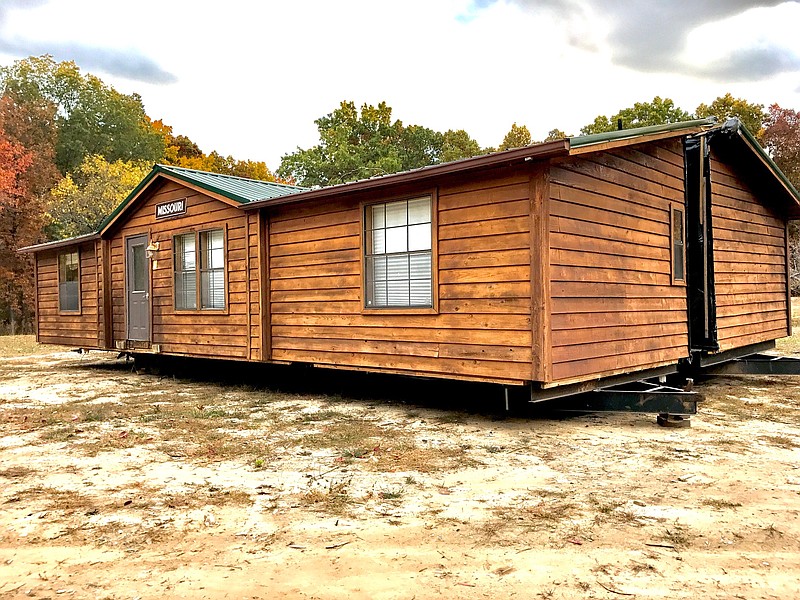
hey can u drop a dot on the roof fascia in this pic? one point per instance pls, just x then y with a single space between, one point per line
202 187
148 182
541 151
752 144
226 198
630 141
73 241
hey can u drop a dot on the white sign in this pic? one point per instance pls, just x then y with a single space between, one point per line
170 209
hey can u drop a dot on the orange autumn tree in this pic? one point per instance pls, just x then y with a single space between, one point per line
21 220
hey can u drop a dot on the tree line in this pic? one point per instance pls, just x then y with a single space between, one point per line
72 147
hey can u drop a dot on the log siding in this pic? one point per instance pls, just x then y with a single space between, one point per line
614 306
556 269
81 328
749 261
209 333
482 328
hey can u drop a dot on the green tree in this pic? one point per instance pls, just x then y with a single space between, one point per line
457 144
81 200
555 134
420 147
641 114
724 107
517 137
353 145
357 144
89 117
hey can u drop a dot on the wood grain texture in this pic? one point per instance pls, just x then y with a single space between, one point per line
614 308
750 261
226 333
482 328
81 329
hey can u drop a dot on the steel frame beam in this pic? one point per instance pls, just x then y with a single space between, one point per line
757 364
636 397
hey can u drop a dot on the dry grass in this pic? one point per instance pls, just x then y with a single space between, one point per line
781 441
24 345
720 504
17 472
56 499
678 535
330 496
509 522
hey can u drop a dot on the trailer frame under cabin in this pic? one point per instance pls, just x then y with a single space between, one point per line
564 266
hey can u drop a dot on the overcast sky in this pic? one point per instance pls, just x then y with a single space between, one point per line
248 78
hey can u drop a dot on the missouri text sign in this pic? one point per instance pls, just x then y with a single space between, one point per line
170 209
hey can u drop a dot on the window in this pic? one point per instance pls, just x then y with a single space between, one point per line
398 256
69 294
185 272
212 269
203 271
678 246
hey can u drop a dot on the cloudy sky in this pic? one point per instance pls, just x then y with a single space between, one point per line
248 78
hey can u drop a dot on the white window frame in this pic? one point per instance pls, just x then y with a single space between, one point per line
396 230
203 275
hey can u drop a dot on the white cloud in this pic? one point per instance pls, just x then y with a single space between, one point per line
253 76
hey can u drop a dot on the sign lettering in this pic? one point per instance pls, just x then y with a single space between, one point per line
171 209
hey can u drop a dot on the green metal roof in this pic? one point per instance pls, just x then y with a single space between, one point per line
238 189
622 134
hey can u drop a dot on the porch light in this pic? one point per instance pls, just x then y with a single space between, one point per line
151 249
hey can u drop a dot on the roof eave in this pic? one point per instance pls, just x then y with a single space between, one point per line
639 135
751 142
73 241
498 159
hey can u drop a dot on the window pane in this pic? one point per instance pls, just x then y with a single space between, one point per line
377 243
419 211
420 265
419 237
398 293
678 235
185 272
139 269
185 290
397 267
212 269
421 292
68 285
379 297
677 245
398 242
217 259
379 268
378 220
679 263
68 295
396 213
190 254
212 289
396 239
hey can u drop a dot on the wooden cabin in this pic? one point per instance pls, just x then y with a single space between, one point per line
557 265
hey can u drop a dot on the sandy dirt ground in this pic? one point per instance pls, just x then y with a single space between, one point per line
118 484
